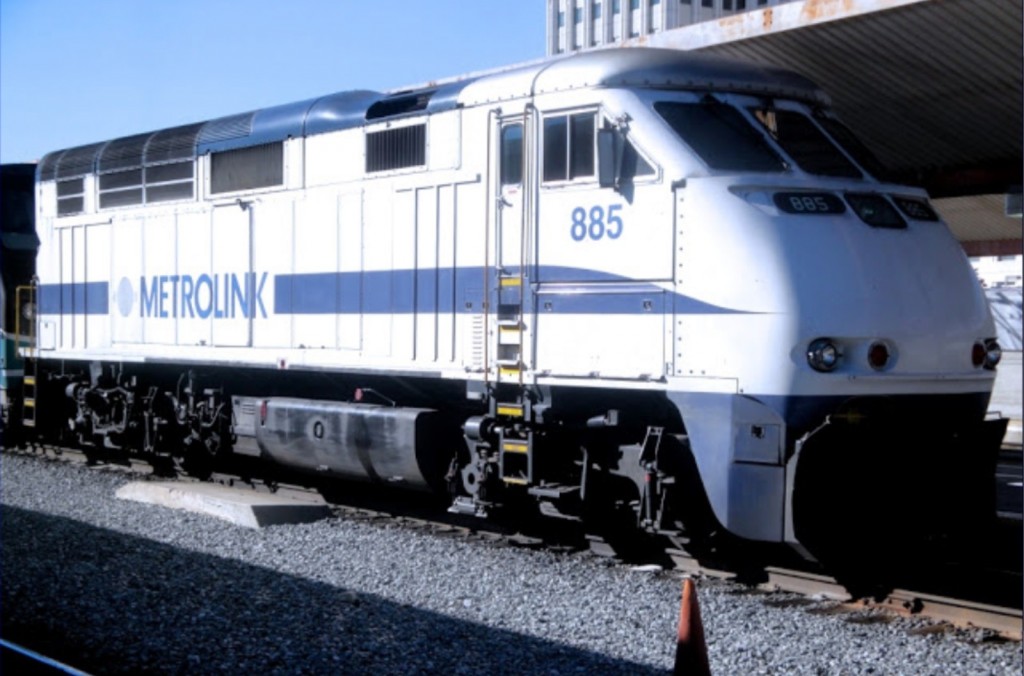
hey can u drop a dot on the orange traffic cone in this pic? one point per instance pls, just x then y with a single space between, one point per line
691 651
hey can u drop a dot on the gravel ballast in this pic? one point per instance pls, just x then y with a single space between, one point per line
123 587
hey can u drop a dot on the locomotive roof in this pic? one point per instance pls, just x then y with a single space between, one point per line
644 68
617 67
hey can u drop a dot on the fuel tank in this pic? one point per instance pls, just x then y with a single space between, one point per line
368 442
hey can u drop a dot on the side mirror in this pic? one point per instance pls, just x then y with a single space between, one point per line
607 158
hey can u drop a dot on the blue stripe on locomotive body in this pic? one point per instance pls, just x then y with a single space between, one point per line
380 292
407 291
89 298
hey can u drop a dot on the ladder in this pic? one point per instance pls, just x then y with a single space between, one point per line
25 297
510 402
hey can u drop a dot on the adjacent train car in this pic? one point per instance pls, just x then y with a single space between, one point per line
631 281
18 247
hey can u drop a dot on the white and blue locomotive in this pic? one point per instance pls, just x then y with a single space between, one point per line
636 278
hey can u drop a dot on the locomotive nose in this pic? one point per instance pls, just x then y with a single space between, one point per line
939 477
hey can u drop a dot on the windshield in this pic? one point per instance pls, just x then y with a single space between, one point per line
853 146
721 136
804 142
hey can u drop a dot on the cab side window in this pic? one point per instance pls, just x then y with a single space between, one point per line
633 164
569 142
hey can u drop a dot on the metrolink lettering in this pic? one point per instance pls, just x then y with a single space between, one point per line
224 295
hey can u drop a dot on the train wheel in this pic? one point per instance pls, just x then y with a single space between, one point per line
198 459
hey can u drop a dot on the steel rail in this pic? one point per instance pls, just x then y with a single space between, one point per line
961 613
27 661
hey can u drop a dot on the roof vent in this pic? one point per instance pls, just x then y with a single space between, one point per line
399 104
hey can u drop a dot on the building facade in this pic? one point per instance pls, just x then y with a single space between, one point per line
583 24
996 272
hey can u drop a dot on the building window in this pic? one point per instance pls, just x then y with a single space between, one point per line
70 197
634 4
561 19
569 147
577 15
247 168
396 148
596 10
616 6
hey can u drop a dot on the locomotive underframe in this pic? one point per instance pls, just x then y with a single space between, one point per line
680 464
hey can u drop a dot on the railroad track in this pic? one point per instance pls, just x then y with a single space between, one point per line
944 611
16 658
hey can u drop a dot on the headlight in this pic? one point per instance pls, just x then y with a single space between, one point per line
823 355
993 353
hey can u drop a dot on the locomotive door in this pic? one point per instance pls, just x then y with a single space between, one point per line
509 349
509 207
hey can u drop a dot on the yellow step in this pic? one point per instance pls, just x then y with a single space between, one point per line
511 410
515 447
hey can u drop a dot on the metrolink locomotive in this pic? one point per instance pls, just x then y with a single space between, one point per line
630 281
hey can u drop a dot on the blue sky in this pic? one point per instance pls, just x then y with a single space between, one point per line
74 71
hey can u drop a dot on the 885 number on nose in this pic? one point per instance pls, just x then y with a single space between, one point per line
596 223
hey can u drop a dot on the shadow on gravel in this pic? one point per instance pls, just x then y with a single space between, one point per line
112 603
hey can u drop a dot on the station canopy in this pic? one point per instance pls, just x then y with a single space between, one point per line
932 86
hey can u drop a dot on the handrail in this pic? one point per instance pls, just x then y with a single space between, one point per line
25 296
492 115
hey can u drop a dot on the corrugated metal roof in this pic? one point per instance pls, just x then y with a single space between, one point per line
978 218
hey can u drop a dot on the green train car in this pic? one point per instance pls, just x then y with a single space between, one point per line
18 246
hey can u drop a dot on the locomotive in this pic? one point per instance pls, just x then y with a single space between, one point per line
628 282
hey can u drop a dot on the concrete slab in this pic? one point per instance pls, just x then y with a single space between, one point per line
244 507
